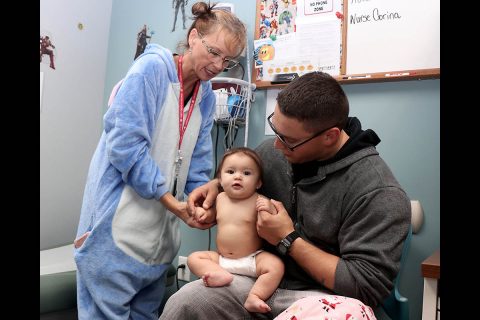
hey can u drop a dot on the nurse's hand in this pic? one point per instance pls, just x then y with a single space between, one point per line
199 224
205 216
190 220
192 223
180 210
203 196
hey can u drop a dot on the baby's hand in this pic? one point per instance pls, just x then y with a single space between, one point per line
199 214
204 216
264 204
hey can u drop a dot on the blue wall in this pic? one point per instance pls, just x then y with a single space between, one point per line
405 115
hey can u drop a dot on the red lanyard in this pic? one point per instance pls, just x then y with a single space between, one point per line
181 106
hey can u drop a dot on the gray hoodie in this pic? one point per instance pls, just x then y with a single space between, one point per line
352 207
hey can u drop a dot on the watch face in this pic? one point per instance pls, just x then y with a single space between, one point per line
282 247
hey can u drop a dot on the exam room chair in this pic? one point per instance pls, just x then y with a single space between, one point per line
58 289
396 306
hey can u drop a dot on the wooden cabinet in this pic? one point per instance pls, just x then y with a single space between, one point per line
431 277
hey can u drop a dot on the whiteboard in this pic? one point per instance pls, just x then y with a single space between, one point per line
381 40
390 35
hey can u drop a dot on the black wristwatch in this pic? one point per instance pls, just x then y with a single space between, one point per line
284 245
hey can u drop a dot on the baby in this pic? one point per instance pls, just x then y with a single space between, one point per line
238 244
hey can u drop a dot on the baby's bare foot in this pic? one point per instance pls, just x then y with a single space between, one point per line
217 278
255 304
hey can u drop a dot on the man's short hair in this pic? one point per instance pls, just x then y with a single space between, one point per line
316 99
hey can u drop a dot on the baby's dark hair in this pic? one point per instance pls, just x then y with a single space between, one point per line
246 151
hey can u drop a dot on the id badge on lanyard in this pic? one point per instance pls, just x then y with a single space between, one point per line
178 164
182 127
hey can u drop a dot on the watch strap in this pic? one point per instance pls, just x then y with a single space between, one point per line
292 236
284 245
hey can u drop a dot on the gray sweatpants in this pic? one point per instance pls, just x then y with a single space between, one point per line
195 301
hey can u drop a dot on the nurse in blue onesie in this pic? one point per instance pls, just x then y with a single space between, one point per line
156 147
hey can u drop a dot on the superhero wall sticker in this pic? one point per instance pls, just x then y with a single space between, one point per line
277 17
48 50
142 37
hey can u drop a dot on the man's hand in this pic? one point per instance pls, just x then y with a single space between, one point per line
203 196
274 227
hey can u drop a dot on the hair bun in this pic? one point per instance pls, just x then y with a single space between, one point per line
201 8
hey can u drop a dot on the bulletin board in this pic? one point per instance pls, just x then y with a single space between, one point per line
353 40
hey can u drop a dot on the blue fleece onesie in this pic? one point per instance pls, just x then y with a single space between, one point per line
133 238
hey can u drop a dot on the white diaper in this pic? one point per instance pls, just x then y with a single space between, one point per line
245 266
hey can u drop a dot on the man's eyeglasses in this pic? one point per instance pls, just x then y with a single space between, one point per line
214 55
282 138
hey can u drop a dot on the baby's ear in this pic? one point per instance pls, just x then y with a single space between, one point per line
259 184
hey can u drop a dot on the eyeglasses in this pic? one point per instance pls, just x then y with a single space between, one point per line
282 138
216 56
